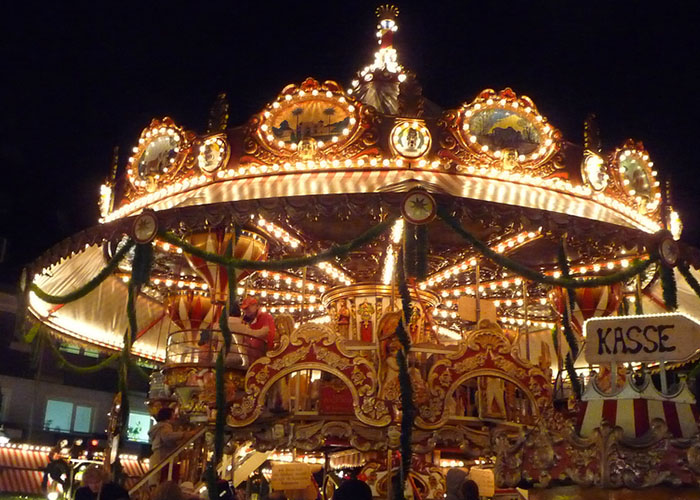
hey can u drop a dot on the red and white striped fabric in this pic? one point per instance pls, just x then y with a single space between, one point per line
134 468
21 481
283 184
21 471
635 416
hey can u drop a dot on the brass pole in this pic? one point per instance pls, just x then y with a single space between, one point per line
526 303
477 281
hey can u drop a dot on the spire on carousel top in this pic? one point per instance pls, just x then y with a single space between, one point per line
378 83
385 58
387 15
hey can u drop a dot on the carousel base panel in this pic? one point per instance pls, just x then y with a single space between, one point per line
581 493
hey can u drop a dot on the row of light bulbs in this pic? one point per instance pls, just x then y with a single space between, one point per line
292 309
279 233
290 280
288 457
454 270
526 179
193 182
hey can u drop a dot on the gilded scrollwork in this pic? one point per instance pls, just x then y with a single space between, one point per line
486 352
311 347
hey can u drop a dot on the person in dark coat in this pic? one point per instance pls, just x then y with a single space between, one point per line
470 490
453 484
353 489
97 486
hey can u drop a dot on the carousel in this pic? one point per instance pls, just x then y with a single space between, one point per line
359 283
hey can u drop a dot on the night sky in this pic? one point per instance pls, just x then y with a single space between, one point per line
81 78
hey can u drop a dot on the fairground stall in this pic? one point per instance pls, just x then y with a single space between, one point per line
357 282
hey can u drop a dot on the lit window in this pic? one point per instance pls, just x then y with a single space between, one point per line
138 427
63 416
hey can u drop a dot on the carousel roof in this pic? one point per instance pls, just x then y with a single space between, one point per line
322 163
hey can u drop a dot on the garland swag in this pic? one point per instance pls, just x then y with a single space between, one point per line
634 269
90 285
282 264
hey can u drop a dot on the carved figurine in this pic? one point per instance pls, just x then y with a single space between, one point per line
366 311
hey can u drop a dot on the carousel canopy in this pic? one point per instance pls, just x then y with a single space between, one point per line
321 164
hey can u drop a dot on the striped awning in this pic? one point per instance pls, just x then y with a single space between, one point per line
24 481
21 471
635 416
134 468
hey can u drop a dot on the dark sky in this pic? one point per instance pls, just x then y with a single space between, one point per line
80 78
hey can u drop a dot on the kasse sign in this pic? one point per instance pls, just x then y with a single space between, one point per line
654 337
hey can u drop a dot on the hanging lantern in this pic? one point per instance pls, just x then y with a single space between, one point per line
249 246
588 303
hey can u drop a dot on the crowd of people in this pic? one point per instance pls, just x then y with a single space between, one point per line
97 486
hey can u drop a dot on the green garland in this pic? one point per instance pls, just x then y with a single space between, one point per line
123 387
638 306
141 266
422 252
684 269
131 312
90 285
575 382
281 264
526 272
220 409
139 370
669 288
568 304
63 362
408 415
410 250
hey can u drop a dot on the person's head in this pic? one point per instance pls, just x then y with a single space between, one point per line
164 414
168 490
453 482
249 306
94 477
187 488
353 489
470 490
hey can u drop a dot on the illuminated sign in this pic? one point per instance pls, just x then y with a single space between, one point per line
649 338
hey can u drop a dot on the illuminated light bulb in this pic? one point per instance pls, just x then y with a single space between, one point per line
556 274
610 265
399 162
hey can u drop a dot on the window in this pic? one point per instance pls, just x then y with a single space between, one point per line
81 351
138 427
64 416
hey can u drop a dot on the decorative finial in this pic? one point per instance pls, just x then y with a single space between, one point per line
387 15
218 114
115 164
591 134
106 201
